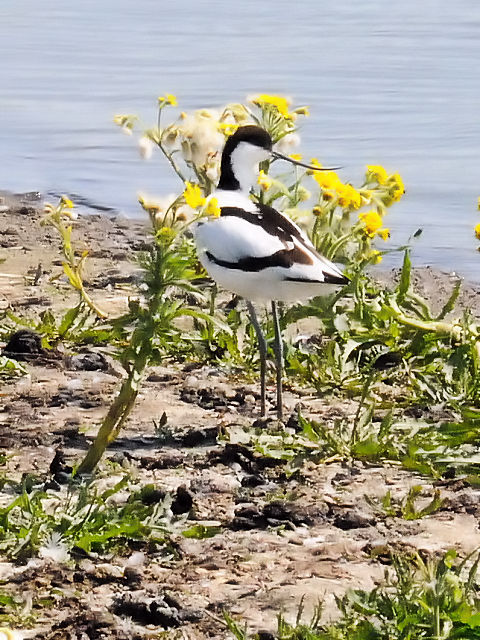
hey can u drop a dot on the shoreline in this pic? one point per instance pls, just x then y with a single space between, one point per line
324 540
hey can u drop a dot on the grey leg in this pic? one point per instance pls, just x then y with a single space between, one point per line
262 348
278 348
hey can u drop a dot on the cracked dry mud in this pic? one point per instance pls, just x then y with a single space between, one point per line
312 534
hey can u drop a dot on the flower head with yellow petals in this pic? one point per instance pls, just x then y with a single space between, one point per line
348 197
372 221
279 102
264 181
376 172
193 195
169 98
212 208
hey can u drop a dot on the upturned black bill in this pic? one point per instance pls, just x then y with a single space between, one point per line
280 156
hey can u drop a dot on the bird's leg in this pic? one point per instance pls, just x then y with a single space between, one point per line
262 348
278 348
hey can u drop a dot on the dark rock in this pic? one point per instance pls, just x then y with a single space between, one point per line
23 345
252 480
183 501
351 519
273 514
282 511
89 361
250 462
59 469
149 495
146 610
198 437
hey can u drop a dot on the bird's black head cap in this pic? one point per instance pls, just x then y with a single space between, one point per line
250 134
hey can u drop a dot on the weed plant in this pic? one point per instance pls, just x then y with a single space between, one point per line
434 598
85 518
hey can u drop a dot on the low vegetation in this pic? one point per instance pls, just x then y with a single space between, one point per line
382 348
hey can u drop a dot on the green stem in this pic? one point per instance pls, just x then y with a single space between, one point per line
434 326
165 152
91 304
117 413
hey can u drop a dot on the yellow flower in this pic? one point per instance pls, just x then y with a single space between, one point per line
327 180
348 197
279 102
298 156
169 98
398 186
373 222
477 231
212 208
264 181
193 195
318 211
376 256
376 172
67 202
328 195
228 128
384 233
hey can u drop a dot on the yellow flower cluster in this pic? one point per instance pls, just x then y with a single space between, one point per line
212 208
376 172
228 128
264 180
193 195
394 182
279 102
348 197
397 187
331 185
477 226
169 98
67 202
373 224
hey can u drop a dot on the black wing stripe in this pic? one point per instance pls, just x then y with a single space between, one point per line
268 219
328 279
285 258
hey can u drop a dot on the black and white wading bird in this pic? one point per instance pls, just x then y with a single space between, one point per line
254 250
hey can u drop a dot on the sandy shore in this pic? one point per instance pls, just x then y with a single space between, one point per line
329 532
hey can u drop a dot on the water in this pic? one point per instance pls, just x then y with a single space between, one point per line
388 83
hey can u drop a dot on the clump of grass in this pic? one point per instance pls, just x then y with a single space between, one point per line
427 447
86 517
434 599
406 507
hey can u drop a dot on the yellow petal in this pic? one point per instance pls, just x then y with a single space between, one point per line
193 195
212 208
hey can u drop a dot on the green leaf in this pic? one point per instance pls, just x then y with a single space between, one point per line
405 275
450 304
201 531
68 319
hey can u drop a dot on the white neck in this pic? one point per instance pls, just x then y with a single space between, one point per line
245 160
238 199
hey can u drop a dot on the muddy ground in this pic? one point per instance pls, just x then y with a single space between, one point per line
271 550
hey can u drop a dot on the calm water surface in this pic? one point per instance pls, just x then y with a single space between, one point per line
396 84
